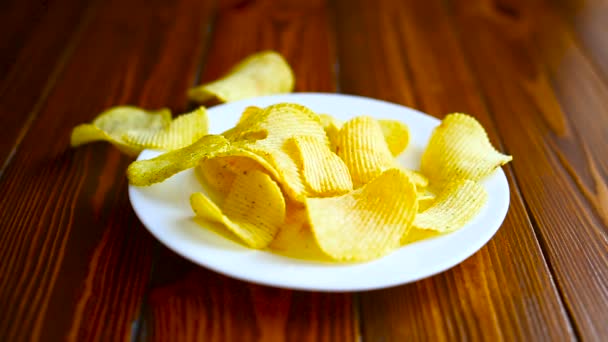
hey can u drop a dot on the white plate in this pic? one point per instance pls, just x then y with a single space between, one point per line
165 211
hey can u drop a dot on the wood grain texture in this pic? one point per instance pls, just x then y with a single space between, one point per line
587 19
75 259
35 41
550 107
190 303
504 291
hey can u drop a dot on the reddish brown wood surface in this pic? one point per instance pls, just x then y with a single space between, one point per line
426 69
78 265
76 260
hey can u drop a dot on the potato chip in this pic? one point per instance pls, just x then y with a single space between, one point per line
331 126
155 170
112 124
281 122
396 134
295 239
361 145
325 174
459 148
456 204
263 73
365 223
217 174
254 209
181 132
416 234
425 199
418 178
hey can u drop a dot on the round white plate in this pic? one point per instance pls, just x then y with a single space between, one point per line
165 211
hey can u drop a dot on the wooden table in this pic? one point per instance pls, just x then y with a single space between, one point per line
77 264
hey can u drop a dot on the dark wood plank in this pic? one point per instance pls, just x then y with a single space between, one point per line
35 40
503 292
551 109
588 23
190 303
76 261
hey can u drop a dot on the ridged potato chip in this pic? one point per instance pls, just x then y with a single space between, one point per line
331 126
360 143
253 210
396 134
155 170
295 239
114 123
418 178
281 122
456 204
181 132
366 223
459 148
325 174
263 73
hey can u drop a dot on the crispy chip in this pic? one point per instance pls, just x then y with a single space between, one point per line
365 223
155 170
263 73
456 204
459 148
114 123
181 132
325 174
396 134
254 209
295 239
217 174
418 178
280 122
331 126
425 199
361 145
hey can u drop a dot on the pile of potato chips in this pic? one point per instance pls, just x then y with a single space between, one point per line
306 184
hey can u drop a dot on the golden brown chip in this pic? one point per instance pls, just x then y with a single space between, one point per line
456 204
114 123
254 209
459 148
366 223
396 134
325 174
263 73
360 143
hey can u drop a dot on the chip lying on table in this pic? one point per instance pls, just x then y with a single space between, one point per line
291 180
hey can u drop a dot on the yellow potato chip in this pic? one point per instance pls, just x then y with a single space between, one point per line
456 204
217 174
155 170
253 210
418 178
263 73
280 122
459 148
112 124
361 145
325 174
425 199
396 134
295 239
331 126
416 234
366 223
181 132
